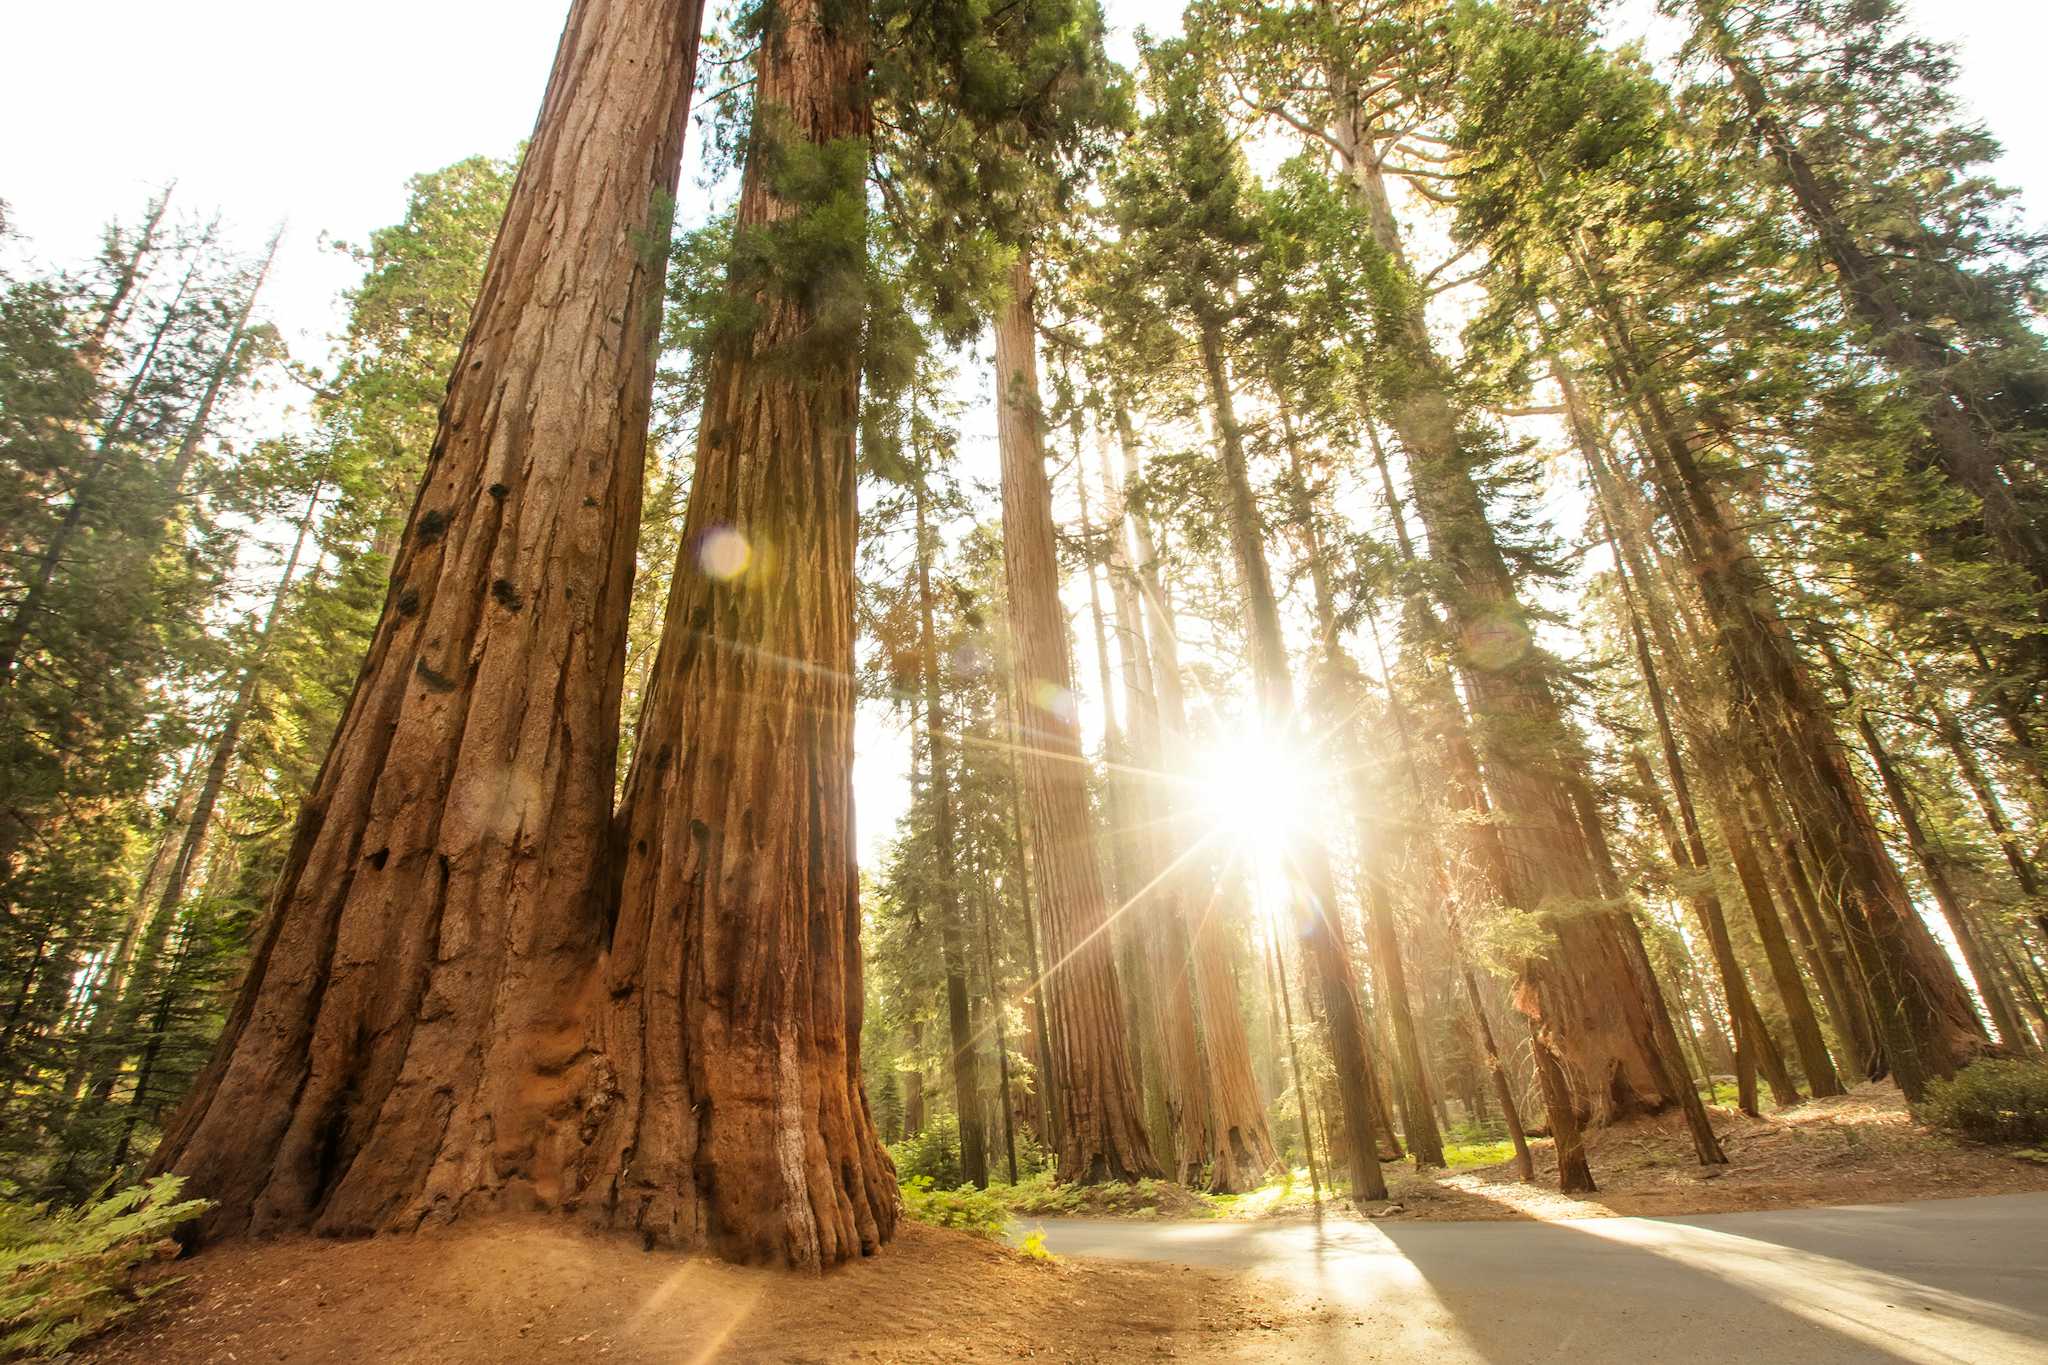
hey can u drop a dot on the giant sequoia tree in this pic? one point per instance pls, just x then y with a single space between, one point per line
411 1038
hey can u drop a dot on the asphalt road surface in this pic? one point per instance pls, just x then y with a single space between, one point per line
1959 1282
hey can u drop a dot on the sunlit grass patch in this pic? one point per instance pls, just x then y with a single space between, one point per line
1457 1154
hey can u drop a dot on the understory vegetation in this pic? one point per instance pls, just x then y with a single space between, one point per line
67 1273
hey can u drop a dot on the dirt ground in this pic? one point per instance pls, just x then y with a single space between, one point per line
1859 1148
538 1290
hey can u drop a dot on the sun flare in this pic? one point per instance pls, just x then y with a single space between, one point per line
1258 790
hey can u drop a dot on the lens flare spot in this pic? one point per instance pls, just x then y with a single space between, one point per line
724 553
1057 700
1496 642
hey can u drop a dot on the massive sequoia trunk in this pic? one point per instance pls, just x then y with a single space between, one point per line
409 1041
734 988
1102 1131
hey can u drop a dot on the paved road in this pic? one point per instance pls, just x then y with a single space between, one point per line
1953 1282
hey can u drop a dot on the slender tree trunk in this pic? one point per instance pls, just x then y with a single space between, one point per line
21 626
1049 1127
1345 690
412 1040
998 1008
1928 1024
1318 921
132 271
952 927
1103 1136
1241 1148
2004 1017
224 371
2009 842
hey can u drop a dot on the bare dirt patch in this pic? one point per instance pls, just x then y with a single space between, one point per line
537 1290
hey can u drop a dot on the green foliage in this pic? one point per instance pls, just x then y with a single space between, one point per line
65 1273
932 1155
1477 1153
1032 1248
964 1209
1991 1101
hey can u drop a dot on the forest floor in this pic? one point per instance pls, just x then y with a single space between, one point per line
1863 1147
538 1290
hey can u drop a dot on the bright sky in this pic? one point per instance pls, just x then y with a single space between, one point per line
317 114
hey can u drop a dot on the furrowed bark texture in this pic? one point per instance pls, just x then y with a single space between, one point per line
407 1042
1102 1128
734 986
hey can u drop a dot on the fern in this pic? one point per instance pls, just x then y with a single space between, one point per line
64 1272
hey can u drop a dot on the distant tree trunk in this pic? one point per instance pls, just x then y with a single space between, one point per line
1103 1134
225 369
1318 921
1592 999
1926 1018
1345 688
2004 1017
410 1042
913 1086
997 1008
131 271
2009 842
735 973
964 1059
21 625
1049 1127
228 740
1242 1149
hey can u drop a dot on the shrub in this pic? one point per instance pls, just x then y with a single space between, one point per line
64 1272
965 1209
1992 1101
933 1154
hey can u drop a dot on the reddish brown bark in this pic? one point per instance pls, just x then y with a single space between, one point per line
409 1042
734 989
1102 1133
